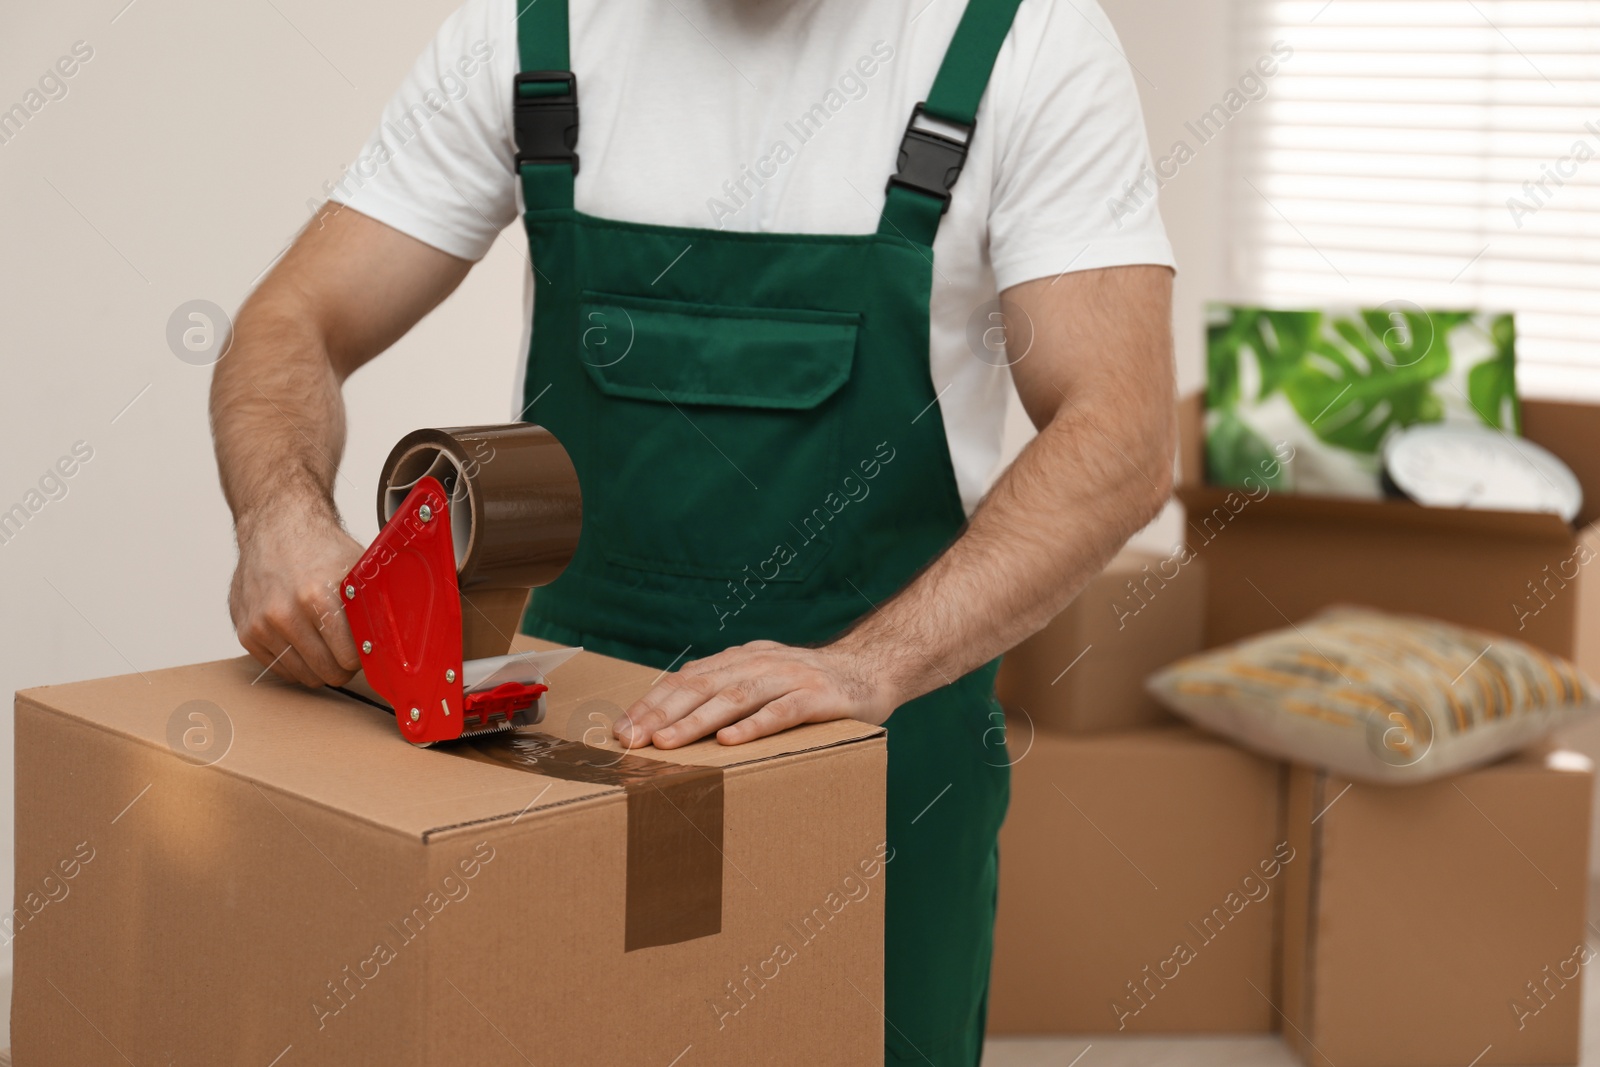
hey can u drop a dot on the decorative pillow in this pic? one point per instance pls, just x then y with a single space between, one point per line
1378 697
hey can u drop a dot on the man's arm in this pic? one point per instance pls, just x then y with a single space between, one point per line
1098 383
347 289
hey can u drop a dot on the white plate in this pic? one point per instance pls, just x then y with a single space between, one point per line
1445 466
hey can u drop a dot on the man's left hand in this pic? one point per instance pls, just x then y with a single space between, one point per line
754 690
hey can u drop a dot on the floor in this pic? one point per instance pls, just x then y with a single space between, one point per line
1137 1052
1108 1051
1201 1052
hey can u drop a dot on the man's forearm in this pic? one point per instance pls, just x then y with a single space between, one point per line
346 290
1053 520
277 415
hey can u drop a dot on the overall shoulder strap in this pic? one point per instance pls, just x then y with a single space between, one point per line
545 105
935 145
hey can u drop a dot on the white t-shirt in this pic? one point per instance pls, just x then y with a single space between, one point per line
684 103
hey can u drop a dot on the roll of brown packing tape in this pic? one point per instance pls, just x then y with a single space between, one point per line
515 508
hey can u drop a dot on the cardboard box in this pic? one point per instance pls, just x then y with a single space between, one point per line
1440 923
324 893
1276 557
1140 875
1084 673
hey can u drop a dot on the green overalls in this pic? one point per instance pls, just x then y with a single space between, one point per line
762 456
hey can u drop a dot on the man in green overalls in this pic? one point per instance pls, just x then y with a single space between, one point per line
771 503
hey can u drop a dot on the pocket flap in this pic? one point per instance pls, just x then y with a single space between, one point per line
644 349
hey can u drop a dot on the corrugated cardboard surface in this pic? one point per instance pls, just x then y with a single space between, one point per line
1116 850
1423 913
1084 672
1276 557
308 896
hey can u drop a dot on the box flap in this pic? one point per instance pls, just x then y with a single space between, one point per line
1192 439
1571 431
349 757
1200 501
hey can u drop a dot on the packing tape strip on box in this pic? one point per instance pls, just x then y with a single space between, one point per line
674 882
516 513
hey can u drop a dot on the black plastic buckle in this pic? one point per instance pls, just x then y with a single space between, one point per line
929 162
546 125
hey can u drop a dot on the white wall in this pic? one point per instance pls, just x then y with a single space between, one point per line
175 168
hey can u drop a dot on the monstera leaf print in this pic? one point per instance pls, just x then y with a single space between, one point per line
1235 452
1280 344
1372 376
1277 340
1223 341
1492 384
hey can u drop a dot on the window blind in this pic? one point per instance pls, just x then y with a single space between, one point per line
1442 152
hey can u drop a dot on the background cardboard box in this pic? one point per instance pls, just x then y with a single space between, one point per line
1421 915
1084 672
1119 849
328 894
1276 557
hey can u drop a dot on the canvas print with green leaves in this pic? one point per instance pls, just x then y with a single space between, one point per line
1333 384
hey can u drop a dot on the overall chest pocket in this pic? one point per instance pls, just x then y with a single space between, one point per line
719 445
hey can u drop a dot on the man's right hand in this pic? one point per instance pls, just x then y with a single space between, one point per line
285 594
348 288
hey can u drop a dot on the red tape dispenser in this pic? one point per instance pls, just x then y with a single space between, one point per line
459 544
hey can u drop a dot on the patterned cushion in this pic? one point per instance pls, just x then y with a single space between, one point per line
1378 697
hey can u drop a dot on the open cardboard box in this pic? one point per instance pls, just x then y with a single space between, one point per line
325 893
1275 557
